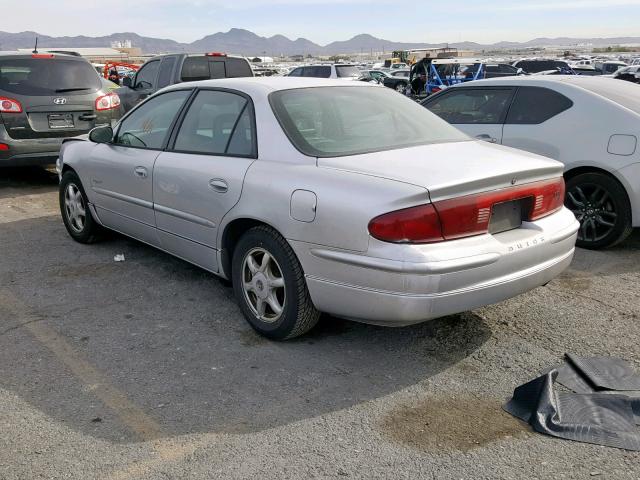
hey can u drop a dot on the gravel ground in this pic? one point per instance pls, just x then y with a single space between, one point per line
145 369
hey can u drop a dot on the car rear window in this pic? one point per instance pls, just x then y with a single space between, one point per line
205 68
537 66
48 76
238 67
338 121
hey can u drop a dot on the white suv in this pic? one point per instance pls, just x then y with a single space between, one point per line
343 71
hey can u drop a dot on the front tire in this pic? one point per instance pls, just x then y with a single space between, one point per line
269 285
601 205
74 208
401 87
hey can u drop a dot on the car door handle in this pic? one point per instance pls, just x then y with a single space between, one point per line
218 185
487 138
140 172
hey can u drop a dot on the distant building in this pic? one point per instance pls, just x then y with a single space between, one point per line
121 44
262 60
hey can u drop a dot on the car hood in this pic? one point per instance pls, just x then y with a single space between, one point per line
449 170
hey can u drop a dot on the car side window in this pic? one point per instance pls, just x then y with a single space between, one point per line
472 106
296 72
535 105
217 123
147 126
146 77
166 69
323 72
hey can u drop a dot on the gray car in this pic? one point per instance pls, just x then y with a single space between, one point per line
316 195
45 98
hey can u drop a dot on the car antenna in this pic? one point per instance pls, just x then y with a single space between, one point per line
35 50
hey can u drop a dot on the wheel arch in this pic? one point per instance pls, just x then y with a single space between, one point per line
66 168
574 172
231 234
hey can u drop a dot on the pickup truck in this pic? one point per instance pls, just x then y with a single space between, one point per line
164 70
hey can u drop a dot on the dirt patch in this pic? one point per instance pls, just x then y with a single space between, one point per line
575 280
452 424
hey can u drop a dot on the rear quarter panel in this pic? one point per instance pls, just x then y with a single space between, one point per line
346 202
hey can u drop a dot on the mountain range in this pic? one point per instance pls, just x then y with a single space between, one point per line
244 42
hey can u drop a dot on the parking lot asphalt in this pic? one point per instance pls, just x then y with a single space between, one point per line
145 369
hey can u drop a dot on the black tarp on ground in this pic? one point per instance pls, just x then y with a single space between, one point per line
593 413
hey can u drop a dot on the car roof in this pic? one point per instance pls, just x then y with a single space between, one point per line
623 93
271 84
22 55
583 81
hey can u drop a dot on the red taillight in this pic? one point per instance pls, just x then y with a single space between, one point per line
412 225
464 216
42 55
107 102
549 198
4 147
9 105
216 54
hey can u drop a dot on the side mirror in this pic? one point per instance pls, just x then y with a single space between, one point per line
126 81
103 134
519 71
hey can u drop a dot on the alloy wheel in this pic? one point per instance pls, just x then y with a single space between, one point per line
263 285
75 208
594 208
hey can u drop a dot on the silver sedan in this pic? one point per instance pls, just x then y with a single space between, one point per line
321 196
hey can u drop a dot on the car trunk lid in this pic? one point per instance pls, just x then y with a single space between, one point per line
449 170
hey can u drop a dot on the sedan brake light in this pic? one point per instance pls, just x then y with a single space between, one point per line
107 102
419 224
9 105
465 216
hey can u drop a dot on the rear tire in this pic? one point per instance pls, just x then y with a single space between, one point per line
269 285
601 205
401 87
74 208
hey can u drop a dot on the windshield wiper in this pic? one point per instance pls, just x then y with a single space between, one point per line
60 90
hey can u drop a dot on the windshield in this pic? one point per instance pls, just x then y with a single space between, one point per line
347 71
338 121
48 76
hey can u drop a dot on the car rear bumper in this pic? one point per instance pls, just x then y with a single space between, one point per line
25 152
430 281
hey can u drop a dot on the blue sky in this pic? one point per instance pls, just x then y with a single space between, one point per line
484 21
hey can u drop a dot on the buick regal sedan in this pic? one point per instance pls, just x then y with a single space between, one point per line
316 195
